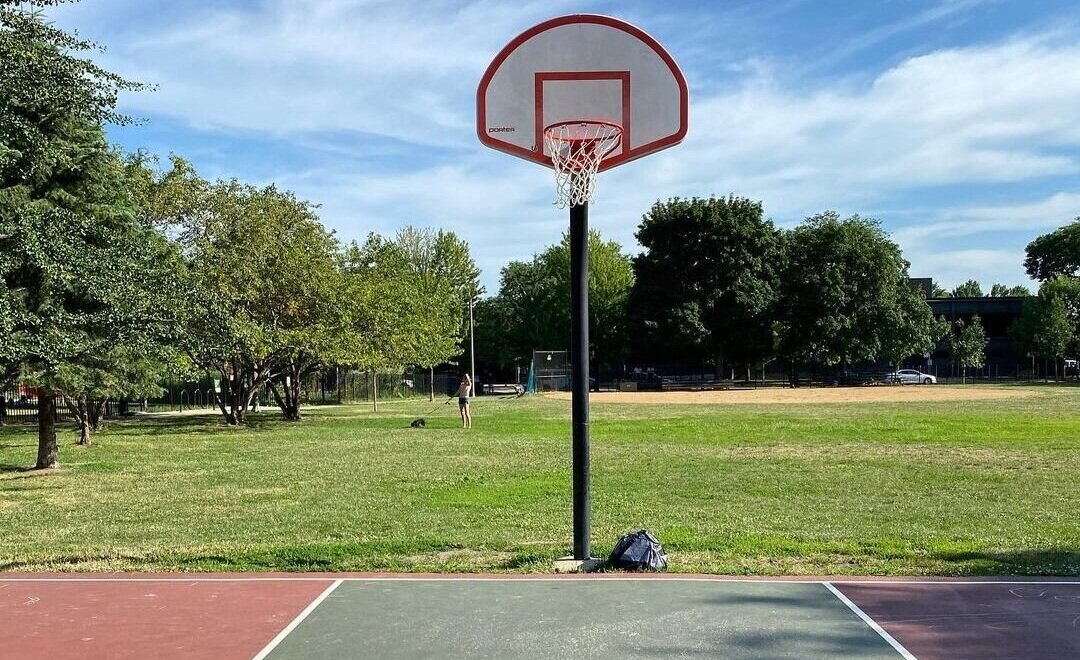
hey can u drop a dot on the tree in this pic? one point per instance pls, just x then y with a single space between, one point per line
119 372
1067 290
909 327
969 289
1056 253
532 308
1056 332
383 305
71 252
262 282
705 284
845 296
967 343
1002 291
496 335
1049 325
520 318
438 266
610 280
314 321
939 291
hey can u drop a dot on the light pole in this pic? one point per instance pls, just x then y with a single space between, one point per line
472 340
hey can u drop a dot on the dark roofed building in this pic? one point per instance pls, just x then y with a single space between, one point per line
997 314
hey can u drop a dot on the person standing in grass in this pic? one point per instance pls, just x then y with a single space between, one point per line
464 391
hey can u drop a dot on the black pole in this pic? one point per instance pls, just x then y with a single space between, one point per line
579 344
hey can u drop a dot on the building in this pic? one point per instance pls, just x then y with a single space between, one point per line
1003 357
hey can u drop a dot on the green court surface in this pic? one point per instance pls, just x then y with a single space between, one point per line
581 619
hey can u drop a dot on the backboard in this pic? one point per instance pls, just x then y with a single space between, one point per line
582 67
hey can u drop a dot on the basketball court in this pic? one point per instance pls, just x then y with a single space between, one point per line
285 616
577 94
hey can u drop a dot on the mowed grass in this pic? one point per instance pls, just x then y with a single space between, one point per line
957 488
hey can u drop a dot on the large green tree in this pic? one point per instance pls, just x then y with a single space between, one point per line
263 284
387 313
909 327
611 278
706 280
519 318
845 296
440 274
1049 326
1056 253
80 270
532 309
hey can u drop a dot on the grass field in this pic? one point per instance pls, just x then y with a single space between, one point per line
950 487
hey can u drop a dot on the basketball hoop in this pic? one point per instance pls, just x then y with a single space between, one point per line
577 148
560 95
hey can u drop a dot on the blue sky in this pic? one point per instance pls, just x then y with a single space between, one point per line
955 122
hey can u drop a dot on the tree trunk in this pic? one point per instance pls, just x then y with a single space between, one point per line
96 411
83 406
288 399
80 409
294 398
85 439
374 391
46 457
224 399
431 384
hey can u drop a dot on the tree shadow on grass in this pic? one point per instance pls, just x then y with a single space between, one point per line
26 470
290 564
972 563
69 560
203 425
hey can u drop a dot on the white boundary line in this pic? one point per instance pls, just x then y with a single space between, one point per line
405 577
280 637
907 655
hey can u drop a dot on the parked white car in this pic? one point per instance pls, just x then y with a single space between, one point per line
910 377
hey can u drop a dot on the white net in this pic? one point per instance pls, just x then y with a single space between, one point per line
576 149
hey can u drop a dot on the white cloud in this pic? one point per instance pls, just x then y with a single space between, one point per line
400 69
310 70
1040 216
951 267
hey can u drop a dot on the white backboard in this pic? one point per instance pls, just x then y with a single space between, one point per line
582 67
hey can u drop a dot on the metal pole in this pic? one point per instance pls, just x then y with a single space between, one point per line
579 345
472 343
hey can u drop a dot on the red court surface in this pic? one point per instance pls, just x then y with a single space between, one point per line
263 616
147 619
971 620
